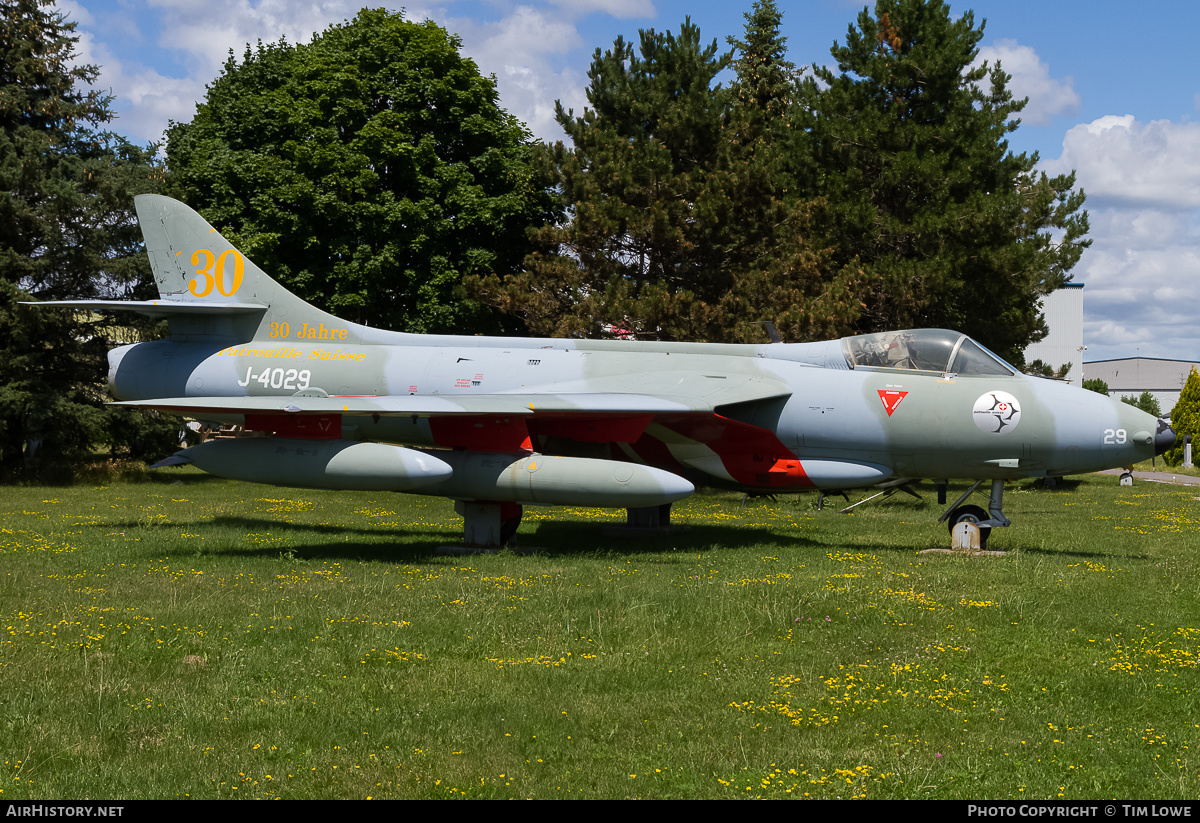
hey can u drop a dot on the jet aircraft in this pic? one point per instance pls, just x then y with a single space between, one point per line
497 424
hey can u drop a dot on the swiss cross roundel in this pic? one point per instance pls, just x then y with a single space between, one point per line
996 412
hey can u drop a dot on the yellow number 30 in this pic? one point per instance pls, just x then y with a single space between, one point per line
217 278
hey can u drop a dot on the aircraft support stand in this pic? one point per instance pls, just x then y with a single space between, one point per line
649 517
488 525
985 520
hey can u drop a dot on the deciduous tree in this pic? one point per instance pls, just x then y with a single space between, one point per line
1144 401
369 170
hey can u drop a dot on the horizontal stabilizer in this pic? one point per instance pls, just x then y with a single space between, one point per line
155 308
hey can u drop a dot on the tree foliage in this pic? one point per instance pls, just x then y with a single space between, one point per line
50 396
952 229
369 170
636 249
1185 418
1144 401
681 222
67 229
1043 369
790 277
766 80
880 194
1097 385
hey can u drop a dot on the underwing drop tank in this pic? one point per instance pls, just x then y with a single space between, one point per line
533 479
539 479
316 464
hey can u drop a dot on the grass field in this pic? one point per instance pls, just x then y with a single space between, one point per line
192 637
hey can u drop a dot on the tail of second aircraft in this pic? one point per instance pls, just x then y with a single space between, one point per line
209 289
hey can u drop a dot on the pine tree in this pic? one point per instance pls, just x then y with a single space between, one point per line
67 229
766 82
638 253
785 275
1043 369
1185 419
950 228
684 220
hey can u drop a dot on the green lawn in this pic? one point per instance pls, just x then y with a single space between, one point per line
192 637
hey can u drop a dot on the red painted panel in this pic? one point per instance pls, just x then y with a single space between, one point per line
753 456
479 432
304 426
590 428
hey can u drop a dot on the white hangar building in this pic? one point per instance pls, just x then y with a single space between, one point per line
1133 375
1064 344
1063 308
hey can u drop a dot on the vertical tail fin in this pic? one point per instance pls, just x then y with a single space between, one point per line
213 289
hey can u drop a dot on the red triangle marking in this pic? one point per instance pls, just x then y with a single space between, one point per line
891 399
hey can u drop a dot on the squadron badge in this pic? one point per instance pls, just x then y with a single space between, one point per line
996 412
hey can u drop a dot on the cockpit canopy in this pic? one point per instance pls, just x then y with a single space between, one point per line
928 350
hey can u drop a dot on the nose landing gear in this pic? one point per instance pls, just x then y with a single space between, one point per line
985 520
970 514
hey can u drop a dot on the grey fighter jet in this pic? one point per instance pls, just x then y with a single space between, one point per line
497 424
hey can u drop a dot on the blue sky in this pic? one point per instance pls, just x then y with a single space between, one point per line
1114 93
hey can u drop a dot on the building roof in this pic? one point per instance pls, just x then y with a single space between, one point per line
1140 373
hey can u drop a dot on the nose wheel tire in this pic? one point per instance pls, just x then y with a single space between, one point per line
971 514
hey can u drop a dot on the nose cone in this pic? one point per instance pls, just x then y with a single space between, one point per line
1164 437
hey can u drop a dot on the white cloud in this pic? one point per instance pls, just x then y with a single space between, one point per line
157 100
1110 335
1140 229
75 12
207 31
196 39
1142 272
621 9
1031 78
1118 160
524 50
527 48
528 31
1142 279
145 100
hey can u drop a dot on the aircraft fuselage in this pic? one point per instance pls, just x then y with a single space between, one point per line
499 423
894 423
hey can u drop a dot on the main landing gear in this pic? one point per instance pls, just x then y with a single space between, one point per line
985 520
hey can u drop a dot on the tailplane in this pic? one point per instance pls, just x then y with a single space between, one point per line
216 289
209 290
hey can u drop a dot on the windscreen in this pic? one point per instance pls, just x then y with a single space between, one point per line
931 350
